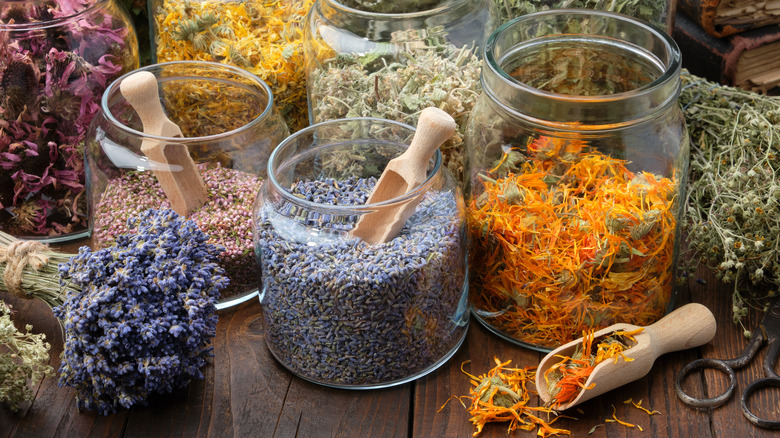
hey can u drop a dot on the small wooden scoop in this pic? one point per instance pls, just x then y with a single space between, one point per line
402 175
173 166
689 326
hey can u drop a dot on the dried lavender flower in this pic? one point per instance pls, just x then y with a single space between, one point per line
733 201
24 360
145 313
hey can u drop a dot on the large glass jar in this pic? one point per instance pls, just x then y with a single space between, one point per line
577 161
659 13
342 312
56 58
265 38
229 128
393 59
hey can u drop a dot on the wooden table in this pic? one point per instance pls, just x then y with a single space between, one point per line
247 393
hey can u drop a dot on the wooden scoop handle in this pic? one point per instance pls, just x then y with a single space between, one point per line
172 164
434 127
689 326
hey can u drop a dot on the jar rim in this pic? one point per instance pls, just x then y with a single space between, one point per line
439 9
54 22
670 72
346 209
111 89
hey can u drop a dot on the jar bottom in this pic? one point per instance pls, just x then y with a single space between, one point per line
385 384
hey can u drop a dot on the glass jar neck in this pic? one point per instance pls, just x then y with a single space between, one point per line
30 15
380 26
653 51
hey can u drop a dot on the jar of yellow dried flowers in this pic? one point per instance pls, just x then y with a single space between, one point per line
262 37
229 127
393 59
56 58
577 160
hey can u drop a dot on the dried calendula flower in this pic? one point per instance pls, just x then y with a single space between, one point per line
24 360
263 37
502 395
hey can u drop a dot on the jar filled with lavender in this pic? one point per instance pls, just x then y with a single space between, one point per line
56 58
191 136
391 59
341 311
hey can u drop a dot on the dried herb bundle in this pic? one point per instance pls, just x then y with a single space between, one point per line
733 202
24 359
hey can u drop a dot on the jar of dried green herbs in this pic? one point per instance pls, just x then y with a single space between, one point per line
340 311
578 157
265 38
393 59
56 58
229 127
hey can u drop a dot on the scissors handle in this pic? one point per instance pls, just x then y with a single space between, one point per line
753 418
711 402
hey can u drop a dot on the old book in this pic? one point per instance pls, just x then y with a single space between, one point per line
749 60
721 18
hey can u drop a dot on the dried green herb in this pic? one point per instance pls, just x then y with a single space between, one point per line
24 360
392 7
653 11
733 202
397 85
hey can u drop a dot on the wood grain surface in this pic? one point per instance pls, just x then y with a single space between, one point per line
247 393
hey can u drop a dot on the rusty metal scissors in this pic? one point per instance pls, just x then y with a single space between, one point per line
768 333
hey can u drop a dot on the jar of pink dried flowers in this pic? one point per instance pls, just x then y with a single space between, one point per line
56 59
210 172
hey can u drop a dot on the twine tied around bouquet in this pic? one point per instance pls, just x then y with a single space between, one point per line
17 256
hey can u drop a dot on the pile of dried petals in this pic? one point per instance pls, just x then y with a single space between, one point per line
572 241
566 378
262 36
502 395
53 71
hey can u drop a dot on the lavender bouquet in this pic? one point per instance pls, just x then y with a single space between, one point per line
139 315
56 58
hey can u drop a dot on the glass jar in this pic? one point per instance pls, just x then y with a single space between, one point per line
229 127
342 312
56 58
659 13
577 161
391 60
264 38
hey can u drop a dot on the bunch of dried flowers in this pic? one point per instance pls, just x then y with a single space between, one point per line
733 202
24 360
51 81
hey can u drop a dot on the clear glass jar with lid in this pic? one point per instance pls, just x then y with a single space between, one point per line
265 38
229 128
56 58
342 312
577 163
393 59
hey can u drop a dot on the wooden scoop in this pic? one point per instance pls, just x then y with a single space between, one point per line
689 326
174 168
402 175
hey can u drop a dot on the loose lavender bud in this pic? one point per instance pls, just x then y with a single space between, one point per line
145 313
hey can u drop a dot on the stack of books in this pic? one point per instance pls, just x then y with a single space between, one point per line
734 42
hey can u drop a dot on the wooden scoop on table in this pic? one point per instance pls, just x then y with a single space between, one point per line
178 176
402 175
689 326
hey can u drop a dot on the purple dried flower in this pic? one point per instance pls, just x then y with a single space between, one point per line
142 314
51 80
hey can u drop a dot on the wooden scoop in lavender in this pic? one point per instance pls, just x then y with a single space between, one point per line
402 175
617 355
